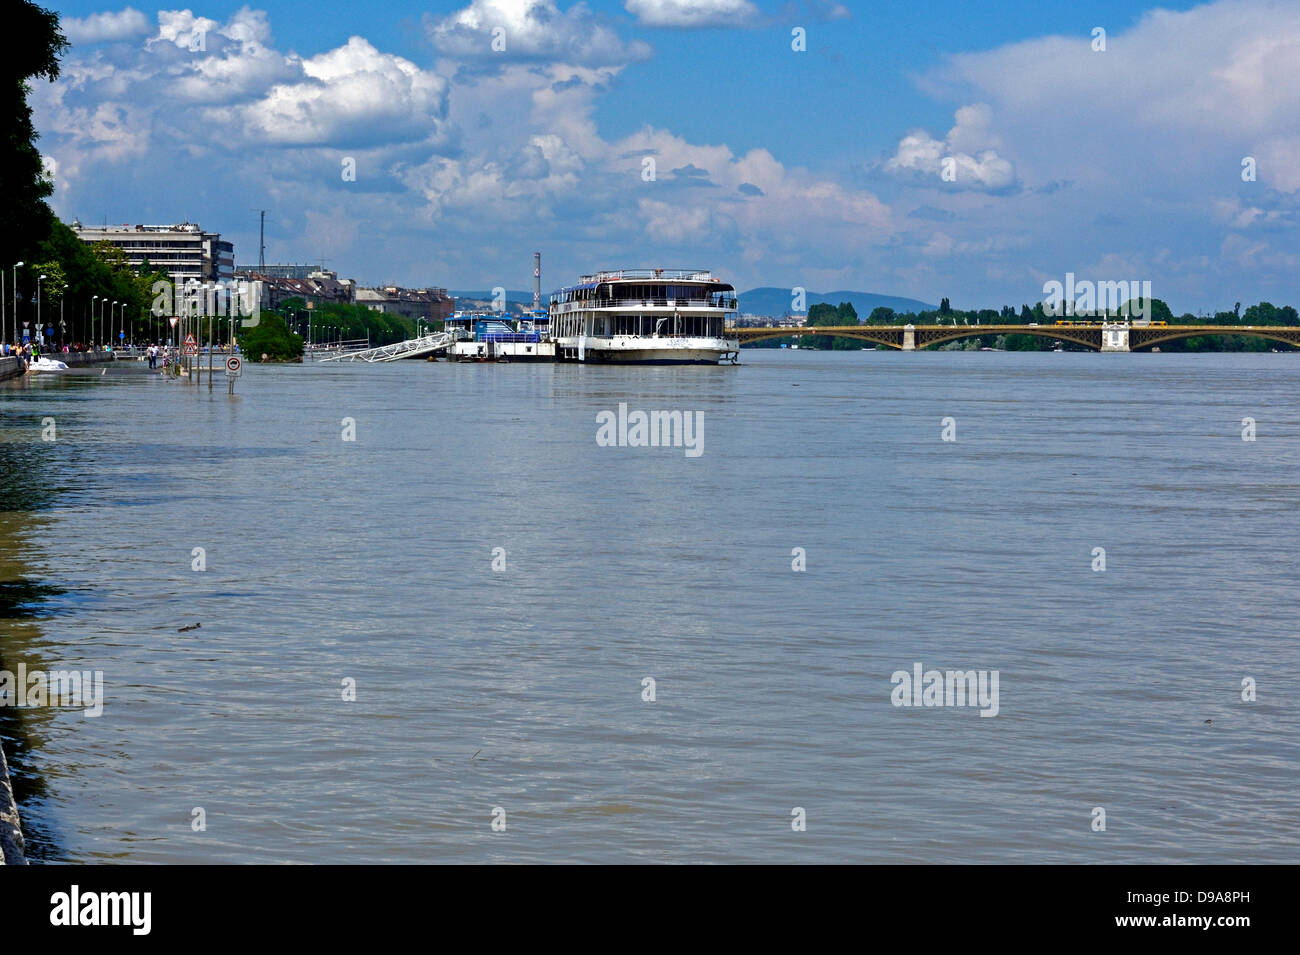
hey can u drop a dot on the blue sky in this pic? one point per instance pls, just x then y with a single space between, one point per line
822 168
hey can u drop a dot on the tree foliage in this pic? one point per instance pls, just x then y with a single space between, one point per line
89 271
270 338
33 52
353 322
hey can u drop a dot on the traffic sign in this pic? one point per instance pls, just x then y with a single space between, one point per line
234 366
191 346
173 320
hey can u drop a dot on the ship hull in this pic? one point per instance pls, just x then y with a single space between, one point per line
633 350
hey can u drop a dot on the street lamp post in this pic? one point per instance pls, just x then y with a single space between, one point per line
91 321
38 305
62 296
17 266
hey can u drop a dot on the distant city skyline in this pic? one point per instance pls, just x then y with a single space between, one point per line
925 153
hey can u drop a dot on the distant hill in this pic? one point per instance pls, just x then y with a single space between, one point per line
776 301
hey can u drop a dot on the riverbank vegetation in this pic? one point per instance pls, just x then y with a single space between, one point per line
270 340
335 321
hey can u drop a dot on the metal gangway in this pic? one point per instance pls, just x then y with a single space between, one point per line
411 348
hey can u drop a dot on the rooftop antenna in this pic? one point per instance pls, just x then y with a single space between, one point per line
261 242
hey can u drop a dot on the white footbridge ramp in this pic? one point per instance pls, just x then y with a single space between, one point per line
411 348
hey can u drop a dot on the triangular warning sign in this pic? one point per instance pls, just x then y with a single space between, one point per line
189 340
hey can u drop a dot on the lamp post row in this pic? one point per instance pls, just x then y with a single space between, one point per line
96 302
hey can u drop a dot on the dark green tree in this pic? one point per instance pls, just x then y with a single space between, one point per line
32 52
270 338
820 314
1262 314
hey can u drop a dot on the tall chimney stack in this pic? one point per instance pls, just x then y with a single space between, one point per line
537 280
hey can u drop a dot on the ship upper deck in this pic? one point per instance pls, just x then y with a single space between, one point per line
627 275
647 288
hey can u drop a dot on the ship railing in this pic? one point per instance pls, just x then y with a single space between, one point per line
699 275
724 303
650 334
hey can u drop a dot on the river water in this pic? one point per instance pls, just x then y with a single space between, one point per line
515 692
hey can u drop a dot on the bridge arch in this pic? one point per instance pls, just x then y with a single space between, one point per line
1088 336
925 335
1147 336
890 335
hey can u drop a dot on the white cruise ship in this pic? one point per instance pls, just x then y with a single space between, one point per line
645 316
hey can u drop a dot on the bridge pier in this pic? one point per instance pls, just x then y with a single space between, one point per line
909 338
1114 337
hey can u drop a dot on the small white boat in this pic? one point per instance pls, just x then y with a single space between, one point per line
45 364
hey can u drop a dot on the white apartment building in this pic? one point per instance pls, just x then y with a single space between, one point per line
184 251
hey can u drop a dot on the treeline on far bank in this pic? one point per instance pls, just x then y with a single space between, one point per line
1264 313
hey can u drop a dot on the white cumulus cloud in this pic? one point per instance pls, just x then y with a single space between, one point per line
692 13
105 27
347 94
968 146
530 29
